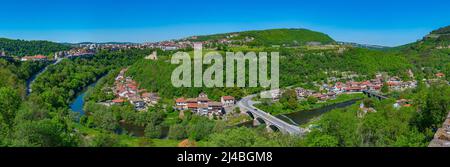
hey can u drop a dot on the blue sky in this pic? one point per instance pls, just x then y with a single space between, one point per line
381 22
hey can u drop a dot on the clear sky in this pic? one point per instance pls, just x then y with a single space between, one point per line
382 22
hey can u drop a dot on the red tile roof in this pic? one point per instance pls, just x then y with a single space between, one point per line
192 105
40 57
228 97
440 74
180 100
118 100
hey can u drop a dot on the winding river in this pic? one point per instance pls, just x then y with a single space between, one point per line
137 131
78 103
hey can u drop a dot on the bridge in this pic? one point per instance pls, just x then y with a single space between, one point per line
272 123
374 94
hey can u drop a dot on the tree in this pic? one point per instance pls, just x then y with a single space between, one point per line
343 125
239 137
9 102
105 119
323 141
200 127
42 133
312 100
385 88
104 140
434 104
177 132
153 131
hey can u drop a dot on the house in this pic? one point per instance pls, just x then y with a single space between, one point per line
138 103
331 95
440 75
204 106
181 104
402 102
150 98
34 58
274 94
118 100
227 101
202 109
193 106
320 96
303 93
215 106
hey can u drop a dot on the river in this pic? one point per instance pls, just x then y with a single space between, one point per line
78 104
137 131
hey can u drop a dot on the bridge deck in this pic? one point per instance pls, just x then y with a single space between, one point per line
247 103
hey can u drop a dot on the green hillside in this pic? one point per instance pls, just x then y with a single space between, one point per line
443 30
273 37
22 47
431 54
296 67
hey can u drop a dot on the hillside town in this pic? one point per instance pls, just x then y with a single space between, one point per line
330 91
126 89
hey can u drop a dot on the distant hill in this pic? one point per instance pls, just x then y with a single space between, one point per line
22 47
443 30
102 43
271 37
432 53
367 46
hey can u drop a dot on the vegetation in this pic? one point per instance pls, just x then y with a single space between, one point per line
387 126
24 48
289 103
289 37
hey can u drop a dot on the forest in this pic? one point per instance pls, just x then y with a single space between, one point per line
29 48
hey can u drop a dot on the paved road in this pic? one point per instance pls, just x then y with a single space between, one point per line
39 73
247 103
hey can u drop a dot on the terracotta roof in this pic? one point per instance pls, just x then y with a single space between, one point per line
202 105
180 100
202 99
440 74
40 57
192 105
119 100
214 103
228 97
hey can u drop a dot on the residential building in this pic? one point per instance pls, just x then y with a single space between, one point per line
228 101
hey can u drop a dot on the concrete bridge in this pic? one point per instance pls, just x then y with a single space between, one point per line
373 94
272 123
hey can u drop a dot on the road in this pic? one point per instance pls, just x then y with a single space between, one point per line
39 73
